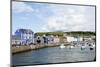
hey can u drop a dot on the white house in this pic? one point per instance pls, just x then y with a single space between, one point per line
79 38
71 39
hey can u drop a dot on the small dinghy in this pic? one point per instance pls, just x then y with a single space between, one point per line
91 46
62 46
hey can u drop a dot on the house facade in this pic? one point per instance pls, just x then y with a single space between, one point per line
26 36
15 40
73 38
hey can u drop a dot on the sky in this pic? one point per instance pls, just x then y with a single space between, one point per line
44 17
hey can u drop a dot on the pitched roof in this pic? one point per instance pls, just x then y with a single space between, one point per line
25 31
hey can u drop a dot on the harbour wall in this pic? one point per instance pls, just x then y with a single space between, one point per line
24 48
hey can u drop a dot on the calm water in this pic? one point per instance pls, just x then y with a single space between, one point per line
53 55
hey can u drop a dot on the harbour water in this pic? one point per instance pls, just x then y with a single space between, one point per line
53 55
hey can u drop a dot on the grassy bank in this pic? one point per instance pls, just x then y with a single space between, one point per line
74 33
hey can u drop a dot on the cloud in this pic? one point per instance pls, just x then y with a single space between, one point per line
54 17
70 18
20 7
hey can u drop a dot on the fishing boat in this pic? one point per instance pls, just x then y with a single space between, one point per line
83 47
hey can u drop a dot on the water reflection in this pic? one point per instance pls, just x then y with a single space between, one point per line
53 55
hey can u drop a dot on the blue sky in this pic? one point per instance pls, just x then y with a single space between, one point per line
42 17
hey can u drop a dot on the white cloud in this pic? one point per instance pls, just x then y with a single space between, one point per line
70 18
58 17
21 7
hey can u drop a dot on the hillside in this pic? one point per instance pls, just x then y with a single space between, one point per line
75 33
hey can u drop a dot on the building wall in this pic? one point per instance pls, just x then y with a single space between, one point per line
71 39
27 36
16 42
56 40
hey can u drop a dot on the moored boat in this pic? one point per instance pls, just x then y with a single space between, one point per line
62 46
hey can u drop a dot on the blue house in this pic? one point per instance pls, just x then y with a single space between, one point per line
26 36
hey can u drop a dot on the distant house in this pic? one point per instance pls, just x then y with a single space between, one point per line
79 38
26 36
51 39
68 38
56 39
71 39
87 38
93 38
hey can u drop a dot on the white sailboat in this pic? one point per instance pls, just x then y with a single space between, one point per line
62 46
93 45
